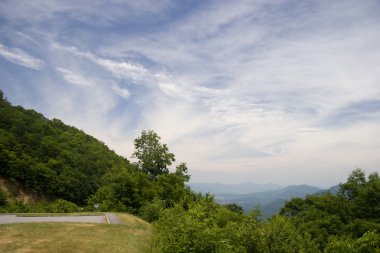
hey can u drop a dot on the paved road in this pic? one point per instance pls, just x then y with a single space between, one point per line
7 219
113 219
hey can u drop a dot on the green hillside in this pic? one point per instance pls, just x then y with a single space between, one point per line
50 157
61 163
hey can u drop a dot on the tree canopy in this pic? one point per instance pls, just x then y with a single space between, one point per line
51 157
153 157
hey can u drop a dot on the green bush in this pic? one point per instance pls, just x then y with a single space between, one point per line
64 206
41 207
152 211
16 207
368 243
197 230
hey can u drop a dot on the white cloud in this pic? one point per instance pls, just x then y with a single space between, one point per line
242 88
122 92
73 78
277 86
123 69
120 69
20 57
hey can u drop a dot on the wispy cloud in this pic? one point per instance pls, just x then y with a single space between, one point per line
122 92
73 78
20 57
120 69
139 74
255 90
366 110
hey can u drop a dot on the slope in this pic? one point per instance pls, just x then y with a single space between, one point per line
51 157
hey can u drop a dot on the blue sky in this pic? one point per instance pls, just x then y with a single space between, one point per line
277 91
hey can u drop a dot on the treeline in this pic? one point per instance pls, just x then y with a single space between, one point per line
345 222
151 188
52 158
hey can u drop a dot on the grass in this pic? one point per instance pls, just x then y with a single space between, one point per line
133 237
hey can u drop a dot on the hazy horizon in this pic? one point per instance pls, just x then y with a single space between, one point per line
284 92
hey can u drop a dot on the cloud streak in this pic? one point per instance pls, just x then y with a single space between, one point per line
73 78
20 57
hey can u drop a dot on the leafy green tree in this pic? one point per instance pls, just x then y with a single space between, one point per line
235 208
151 211
336 221
122 190
199 229
280 235
153 157
356 180
363 194
64 206
171 188
368 243
182 171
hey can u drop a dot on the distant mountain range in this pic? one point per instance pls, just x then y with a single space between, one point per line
269 197
244 188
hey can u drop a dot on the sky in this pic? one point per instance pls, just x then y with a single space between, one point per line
265 91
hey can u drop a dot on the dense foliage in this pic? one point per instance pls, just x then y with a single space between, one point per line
352 214
153 157
208 227
345 222
50 157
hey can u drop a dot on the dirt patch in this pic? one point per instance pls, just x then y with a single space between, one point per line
19 192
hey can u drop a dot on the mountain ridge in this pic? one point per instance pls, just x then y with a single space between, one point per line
270 201
241 188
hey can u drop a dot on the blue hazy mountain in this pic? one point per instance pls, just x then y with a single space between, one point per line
244 188
269 197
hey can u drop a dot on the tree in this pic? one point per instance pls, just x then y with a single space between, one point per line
153 157
181 171
123 191
205 227
369 242
363 194
233 207
354 184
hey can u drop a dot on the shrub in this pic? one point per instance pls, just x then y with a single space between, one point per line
151 211
64 206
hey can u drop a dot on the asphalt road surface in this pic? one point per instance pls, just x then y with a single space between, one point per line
7 219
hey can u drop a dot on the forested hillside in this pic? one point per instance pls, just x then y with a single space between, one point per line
51 157
60 161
